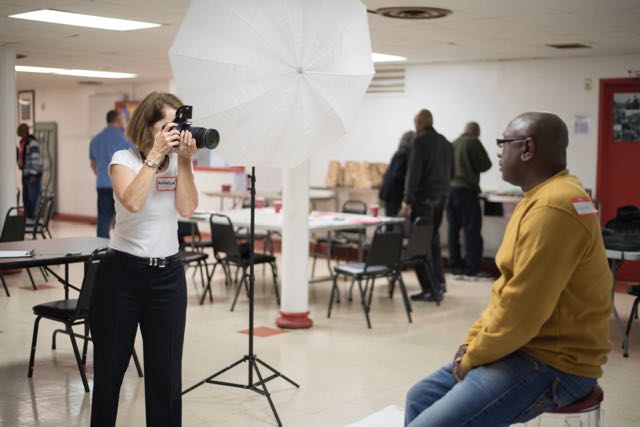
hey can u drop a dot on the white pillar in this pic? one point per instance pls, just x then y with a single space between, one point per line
294 308
8 126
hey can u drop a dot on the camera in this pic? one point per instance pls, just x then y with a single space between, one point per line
205 138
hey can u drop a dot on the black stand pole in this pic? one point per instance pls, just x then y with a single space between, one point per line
259 386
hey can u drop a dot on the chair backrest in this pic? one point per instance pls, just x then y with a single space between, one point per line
419 244
354 207
187 229
386 247
223 236
14 226
90 269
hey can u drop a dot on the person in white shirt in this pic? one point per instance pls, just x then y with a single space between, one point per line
141 280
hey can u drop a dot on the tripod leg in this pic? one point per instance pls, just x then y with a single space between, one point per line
278 373
210 377
254 365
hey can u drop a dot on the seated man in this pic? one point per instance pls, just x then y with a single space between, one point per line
543 339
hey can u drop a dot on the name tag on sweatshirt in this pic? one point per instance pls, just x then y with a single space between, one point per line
166 183
583 206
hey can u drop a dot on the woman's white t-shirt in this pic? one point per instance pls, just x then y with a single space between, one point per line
153 231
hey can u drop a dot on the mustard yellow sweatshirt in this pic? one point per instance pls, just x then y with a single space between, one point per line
552 299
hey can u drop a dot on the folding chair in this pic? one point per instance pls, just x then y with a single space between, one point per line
227 252
73 312
188 229
344 238
383 260
14 231
418 252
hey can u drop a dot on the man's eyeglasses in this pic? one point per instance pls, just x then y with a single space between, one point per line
502 141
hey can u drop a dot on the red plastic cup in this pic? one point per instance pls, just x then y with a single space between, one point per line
226 188
260 202
277 205
373 209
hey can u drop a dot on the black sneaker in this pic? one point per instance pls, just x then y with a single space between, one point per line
422 296
480 275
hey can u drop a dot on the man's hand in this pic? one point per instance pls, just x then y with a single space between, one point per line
458 372
406 210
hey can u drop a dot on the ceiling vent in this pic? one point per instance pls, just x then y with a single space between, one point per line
569 46
20 56
89 83
412 12
388 80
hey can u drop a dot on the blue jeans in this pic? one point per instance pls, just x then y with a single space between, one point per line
106 211
514 389
30 194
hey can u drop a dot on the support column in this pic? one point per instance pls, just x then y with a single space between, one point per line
8 126
294 309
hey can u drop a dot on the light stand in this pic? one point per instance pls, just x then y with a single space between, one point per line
259 386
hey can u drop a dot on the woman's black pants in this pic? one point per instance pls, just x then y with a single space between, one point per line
129 292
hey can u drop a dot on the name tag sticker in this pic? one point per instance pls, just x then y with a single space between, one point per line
166 183
583 206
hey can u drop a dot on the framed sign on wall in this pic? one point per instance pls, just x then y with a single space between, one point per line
26 107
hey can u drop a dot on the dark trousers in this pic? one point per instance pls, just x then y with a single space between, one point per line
431 209
106 211
391 208
127 293
31 193
463 212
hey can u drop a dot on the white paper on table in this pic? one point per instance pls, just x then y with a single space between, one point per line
16 254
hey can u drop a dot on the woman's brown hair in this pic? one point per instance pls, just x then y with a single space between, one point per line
145 115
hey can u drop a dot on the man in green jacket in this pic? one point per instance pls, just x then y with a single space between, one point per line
463 206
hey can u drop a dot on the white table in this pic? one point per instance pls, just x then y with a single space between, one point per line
266 219
315 195
616 259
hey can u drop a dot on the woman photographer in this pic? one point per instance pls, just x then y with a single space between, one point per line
141 280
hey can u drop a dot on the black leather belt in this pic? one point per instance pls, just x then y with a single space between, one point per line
152 262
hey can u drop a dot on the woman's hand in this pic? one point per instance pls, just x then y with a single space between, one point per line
187 147
164 143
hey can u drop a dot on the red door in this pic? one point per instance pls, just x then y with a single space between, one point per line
618 181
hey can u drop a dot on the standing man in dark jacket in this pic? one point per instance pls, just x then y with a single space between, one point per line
425 194
463 207
392 189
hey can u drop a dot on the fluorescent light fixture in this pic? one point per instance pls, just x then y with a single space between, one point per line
76 73
383 57
80 20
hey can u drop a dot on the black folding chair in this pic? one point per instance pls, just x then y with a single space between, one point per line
73 312
344 238
227 252
418 252
14 231
383 260
188 229
42 217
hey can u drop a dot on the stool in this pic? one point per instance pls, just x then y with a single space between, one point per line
585 412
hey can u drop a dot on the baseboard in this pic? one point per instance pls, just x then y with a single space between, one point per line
83 219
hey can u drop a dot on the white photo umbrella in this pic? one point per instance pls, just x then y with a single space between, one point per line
278 78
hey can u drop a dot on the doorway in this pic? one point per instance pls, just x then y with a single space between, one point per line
618 180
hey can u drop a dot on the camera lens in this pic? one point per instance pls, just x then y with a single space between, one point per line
205 138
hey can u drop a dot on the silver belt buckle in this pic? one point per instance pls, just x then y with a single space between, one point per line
158 262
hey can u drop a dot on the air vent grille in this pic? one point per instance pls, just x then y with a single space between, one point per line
388 80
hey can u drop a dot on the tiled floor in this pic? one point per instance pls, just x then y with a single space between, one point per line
346 371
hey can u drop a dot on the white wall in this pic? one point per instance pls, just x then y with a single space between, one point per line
70 108
491 93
